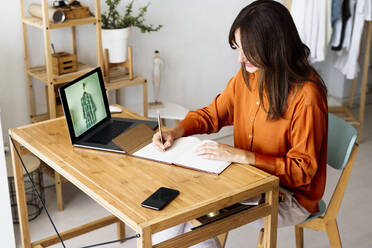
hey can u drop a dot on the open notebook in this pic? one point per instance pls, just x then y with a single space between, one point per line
182 153
138 142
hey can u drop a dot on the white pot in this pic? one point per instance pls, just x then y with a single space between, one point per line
116 41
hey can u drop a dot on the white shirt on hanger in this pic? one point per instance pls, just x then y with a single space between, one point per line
312 19
347 63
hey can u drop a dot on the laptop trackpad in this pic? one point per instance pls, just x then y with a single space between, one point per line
109 132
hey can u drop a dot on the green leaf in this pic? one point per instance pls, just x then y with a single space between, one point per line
112 19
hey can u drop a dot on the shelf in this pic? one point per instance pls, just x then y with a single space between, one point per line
344 113
53 82
40 73
38 118
120 79
37 22
45 116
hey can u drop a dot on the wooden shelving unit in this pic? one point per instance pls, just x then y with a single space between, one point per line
345 111
44 72
37 22
40 73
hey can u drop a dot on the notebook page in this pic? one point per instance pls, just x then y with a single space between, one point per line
150 152
182 153
179 147
191 160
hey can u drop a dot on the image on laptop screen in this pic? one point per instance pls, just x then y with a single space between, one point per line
85 103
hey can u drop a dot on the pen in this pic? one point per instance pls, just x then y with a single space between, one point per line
159 124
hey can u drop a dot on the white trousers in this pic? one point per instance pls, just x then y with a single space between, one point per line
290 212
179 229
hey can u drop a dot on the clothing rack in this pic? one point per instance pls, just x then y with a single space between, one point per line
345 111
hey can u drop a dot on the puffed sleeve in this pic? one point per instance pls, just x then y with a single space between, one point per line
308 130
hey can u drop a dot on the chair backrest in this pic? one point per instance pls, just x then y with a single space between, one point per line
341 140
342 149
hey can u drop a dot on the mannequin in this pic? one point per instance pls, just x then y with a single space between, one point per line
156 78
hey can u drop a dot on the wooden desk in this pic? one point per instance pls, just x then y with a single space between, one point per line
120 183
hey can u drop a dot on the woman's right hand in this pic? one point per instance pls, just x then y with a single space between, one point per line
168 138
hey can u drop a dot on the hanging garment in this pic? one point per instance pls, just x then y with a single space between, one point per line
313 22
345 16
349 25
336 32
336 22
347 62
336 11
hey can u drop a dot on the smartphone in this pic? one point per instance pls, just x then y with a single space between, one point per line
160 198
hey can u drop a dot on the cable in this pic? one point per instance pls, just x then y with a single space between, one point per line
114 241
37 193
50 219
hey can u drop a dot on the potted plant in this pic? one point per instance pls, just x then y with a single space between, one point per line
115 28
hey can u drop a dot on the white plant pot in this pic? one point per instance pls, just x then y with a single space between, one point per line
116 41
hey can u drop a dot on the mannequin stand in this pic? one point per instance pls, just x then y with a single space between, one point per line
156 105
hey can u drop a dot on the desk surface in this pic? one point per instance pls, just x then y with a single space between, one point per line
168 110
121 182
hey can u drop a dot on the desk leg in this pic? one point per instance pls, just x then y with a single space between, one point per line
58 182
21 197
121 230
145 241
271 221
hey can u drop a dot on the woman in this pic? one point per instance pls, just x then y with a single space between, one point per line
277 105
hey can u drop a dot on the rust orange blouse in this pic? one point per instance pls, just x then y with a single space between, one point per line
293 148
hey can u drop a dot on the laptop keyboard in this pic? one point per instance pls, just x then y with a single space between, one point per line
109 132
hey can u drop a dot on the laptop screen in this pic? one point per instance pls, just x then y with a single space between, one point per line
85 103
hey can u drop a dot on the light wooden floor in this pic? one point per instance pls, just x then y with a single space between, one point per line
355 216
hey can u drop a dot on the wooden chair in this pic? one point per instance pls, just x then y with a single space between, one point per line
342 150
117 78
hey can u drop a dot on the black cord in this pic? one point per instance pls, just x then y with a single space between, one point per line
37 193
50 219
114 241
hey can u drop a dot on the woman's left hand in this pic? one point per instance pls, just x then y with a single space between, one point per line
219 151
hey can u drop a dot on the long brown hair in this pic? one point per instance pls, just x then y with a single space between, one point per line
270 41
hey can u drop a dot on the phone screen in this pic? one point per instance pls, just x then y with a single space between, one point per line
160 198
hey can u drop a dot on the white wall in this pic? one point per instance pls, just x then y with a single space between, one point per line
193 43
338 85
334 79
12 79
6 225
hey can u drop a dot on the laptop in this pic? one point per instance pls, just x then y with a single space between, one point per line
88 117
